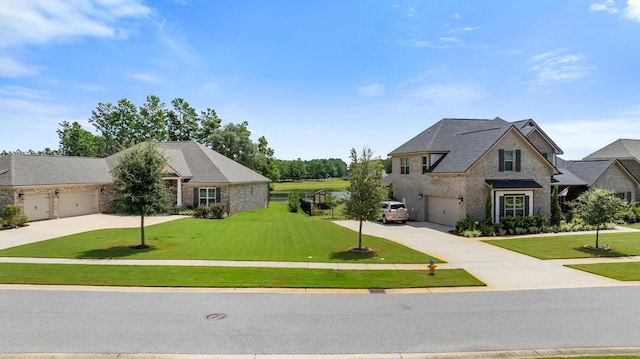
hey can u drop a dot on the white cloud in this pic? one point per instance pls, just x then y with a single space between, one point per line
12 68
441 94
608 6
581 137
146 77
411 12
178 43
371 90
23 92
40 22
633 10
555 66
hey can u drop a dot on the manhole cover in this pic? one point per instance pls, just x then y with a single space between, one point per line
215 316
377 291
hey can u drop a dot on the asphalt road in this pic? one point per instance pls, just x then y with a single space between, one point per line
83 321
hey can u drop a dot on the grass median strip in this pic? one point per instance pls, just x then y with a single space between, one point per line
628 271
571 246
244 277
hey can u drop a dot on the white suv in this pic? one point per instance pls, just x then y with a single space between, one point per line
393 211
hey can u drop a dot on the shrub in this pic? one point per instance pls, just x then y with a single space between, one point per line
464 225
294 202
214 211
487 229
11 215
471 233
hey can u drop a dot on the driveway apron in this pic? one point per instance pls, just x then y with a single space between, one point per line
497 267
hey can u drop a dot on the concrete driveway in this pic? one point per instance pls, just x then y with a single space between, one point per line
43 230
497 267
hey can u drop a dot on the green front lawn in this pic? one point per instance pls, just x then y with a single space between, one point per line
271 234
627 271
177 276
571 246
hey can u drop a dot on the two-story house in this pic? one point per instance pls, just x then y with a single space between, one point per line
448 171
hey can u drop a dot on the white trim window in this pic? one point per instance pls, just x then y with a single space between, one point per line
514 205
511 203
207 196
404 166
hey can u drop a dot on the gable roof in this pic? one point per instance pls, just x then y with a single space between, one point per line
463 141
584 172
621 149
190 160
201 164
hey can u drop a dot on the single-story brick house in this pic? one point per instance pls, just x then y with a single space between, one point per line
49 187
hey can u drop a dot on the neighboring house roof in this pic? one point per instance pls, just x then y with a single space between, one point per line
620 149
190 160
584 172
463 141
34 170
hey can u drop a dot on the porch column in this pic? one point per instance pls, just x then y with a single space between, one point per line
179 193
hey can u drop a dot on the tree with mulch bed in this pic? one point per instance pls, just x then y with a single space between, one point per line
365 190
598 207
140 188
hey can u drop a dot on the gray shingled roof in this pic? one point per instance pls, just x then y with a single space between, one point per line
206 165
441 136
34 170
191 160
585 172
463 141
621 149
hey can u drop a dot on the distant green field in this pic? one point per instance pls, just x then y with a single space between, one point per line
333 184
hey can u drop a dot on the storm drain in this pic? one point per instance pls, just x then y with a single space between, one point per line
377 291
215 316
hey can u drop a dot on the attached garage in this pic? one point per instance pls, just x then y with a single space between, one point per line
443 210
72 204
37 206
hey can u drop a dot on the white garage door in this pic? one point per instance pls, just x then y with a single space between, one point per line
37 206
443 210
77 203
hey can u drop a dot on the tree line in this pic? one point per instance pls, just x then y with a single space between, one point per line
293 170
124 124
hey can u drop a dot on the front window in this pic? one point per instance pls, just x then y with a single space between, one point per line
513 205
404 166
508 160
207 196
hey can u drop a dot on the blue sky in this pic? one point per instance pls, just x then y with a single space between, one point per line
318 78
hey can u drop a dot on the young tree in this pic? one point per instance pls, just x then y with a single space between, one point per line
365 189
140 188
598 207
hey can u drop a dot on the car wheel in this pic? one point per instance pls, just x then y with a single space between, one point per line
384 220
404 222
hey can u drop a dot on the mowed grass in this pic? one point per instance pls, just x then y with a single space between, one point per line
628 271
271 234
333 184
571 246
178 276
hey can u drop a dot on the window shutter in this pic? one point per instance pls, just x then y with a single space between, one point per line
517 160
501 160
501 206
196 197
526 205
629 197
217 194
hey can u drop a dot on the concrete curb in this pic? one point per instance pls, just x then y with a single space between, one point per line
506 354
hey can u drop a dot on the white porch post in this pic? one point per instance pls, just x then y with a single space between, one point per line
179 193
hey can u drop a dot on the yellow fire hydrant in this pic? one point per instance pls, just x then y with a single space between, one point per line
432 267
